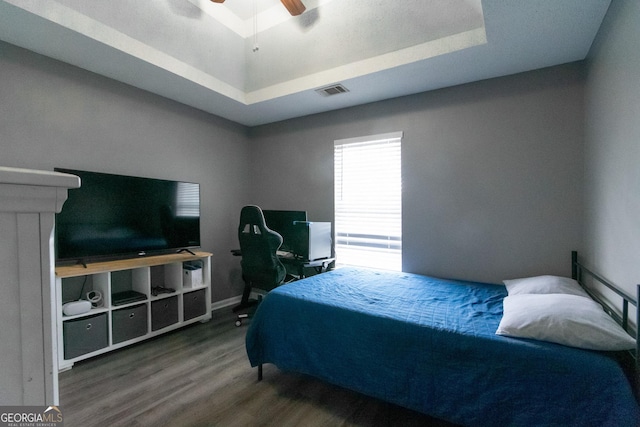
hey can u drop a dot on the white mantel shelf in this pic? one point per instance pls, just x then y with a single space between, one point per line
21 176
29 200
25 190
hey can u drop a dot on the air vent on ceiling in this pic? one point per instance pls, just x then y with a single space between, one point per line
336 89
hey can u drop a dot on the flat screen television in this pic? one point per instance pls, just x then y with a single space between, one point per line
117 216
283 223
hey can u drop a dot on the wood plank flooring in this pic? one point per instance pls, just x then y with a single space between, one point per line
200 376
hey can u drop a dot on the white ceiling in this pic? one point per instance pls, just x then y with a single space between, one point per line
250 62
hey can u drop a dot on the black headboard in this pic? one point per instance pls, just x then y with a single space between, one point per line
579 272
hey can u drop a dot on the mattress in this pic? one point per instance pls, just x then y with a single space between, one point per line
429 344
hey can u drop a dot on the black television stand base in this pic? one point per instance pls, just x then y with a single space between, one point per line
185 250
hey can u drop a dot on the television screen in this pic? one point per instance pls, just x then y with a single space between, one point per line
283 223
115 216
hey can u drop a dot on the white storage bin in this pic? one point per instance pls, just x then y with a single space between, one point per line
192 277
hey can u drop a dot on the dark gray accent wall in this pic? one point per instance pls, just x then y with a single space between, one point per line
56 115
491 172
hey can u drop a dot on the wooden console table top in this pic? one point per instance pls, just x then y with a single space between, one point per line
127 264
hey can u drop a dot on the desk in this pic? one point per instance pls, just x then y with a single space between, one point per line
298 265
320 265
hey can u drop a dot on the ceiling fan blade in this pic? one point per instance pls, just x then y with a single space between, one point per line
295 7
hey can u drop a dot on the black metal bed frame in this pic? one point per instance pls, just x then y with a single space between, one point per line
631 362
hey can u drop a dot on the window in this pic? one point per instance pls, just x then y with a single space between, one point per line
188 200
368 201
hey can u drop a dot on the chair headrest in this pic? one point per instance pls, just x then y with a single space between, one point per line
252 214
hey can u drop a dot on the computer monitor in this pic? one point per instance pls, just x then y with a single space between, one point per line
282 222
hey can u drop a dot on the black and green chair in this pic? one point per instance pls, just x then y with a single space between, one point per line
261 267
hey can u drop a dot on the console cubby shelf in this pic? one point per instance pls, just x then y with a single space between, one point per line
110 326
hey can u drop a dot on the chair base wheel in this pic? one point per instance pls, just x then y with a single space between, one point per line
240 317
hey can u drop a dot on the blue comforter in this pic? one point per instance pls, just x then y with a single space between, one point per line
430 345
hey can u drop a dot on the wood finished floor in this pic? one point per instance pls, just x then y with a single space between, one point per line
200 376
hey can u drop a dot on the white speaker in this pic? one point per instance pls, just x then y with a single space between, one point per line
76 307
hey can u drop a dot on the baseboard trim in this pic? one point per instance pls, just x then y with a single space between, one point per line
219 305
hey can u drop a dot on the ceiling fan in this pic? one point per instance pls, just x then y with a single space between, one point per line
295 7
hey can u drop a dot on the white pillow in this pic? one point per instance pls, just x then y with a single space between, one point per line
544 285
563 319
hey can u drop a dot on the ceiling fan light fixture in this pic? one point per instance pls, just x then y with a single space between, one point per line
295 7
218 1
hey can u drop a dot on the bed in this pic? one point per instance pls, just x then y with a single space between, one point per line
430 345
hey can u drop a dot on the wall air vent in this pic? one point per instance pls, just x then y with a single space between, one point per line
336 89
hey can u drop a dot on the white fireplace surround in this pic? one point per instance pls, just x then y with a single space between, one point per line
29 200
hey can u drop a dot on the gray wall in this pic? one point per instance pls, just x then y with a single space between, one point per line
491 172
56 115
612 172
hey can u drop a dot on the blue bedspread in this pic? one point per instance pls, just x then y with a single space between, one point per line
430 345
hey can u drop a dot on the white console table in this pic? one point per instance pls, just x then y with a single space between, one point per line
111 326
29 200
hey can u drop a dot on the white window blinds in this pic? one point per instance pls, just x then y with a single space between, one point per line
188 200
368 201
